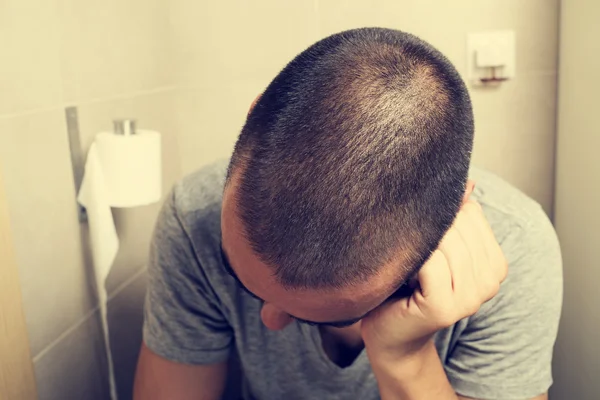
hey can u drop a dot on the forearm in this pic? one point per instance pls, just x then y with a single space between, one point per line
161 379
420 376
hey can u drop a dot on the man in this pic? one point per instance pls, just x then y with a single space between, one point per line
347 255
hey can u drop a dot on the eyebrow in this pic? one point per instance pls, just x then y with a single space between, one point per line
230 271
335 324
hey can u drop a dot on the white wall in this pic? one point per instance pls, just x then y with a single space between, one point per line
109 59
227 51
577 356
191 69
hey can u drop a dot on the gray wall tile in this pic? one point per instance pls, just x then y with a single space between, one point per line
75 368
125 316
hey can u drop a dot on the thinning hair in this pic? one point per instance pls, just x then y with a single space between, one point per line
355 156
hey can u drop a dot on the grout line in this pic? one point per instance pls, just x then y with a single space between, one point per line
123 96
63 335
162 89
77 103
126 283
87 316
536 72
31 112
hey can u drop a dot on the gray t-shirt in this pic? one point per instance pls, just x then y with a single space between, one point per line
196 313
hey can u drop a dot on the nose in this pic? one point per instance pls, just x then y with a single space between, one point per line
274 318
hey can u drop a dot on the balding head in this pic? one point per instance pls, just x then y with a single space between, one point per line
355 157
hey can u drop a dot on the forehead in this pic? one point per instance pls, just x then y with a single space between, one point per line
310 304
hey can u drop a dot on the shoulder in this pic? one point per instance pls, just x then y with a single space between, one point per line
195 205
524 231
520 224
200 189
511 337
197 199
530 245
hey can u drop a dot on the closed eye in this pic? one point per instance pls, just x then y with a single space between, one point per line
335 324
230 271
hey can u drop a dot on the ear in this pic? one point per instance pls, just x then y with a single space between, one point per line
470 186
253 104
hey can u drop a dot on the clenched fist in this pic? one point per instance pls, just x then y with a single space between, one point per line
463 273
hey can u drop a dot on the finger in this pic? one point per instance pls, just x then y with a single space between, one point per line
495 256
468 228
489 274
434 277
457 254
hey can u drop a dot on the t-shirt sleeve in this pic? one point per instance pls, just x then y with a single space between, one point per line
505 352
183 320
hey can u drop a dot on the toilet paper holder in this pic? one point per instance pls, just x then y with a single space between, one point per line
77 158
124 126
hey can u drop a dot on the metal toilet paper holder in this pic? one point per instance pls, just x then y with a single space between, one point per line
124 126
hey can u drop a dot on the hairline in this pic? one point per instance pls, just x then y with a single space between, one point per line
349 321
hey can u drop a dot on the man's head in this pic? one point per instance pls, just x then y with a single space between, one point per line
349 170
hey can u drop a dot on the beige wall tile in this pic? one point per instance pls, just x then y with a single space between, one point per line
527 163
524 106
34 157
134 225
537 25
226 53
433 21
577 356
515 130
446 24
113 47
210 118
29 63
236 39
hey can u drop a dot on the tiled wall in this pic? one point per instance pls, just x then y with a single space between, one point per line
110 59
190 69
227 51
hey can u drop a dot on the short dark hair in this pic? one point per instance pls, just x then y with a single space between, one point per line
356 154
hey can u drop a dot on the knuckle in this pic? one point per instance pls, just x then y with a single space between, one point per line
471 309
491 285
446 316
447 320
491 291
494 288
471 305
503 269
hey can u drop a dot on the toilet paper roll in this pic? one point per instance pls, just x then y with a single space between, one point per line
131 166
120 171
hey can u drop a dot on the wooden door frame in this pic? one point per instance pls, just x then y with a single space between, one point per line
17 380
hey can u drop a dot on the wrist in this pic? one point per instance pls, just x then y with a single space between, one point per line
407 356
418 375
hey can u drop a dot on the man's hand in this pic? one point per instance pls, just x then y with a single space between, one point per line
463 273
